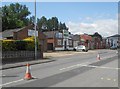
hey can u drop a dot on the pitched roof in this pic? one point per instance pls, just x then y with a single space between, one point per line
9 33
117 35
86 37
76 37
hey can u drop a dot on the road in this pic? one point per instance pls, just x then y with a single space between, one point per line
78 70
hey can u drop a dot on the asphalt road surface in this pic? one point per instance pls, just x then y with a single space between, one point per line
79 70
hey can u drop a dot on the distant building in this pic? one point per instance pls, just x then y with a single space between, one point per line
97 42
67 40
76 40
104 46
113 41
94 41
86 40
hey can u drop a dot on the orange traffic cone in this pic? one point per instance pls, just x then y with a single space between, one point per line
28 74
98 57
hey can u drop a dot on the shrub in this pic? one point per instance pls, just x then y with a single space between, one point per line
14 45
20 45
8 45
31 43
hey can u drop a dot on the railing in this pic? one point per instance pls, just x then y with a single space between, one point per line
19 56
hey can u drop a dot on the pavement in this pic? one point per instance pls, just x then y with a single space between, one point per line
58 54
21 64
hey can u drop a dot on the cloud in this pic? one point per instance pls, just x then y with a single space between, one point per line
87 26
106 27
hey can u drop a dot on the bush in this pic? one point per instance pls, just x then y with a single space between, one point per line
8 45
14 45
20 45
31 43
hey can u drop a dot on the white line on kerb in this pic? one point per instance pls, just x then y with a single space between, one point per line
11 82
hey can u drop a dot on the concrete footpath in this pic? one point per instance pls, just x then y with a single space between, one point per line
20 64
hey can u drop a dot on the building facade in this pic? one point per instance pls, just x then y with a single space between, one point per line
113 41
86 40
76 40
57 41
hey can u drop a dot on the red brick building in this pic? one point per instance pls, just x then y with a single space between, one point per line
86 40
97 41
57 41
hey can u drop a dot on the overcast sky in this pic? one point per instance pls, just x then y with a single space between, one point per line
81 17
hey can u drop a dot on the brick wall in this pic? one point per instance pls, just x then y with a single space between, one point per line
23 33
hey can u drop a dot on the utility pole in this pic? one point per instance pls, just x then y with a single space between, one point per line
54 36
35 34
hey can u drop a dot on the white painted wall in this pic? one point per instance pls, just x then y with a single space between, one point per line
113 40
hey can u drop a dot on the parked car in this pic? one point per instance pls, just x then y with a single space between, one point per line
81 48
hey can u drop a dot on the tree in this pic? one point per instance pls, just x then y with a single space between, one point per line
42 23
14 16
55 22
31 20
51 24
62 26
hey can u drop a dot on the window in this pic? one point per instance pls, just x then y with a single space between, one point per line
59 42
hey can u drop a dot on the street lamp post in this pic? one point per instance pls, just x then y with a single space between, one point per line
54 36
53 39
35 34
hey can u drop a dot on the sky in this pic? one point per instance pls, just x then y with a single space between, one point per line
80 17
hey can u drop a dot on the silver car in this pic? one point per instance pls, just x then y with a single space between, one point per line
81 48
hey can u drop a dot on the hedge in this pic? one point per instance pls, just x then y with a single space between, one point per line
15 45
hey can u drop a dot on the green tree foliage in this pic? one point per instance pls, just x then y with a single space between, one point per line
42 23
14 16
54 21
51 24
31 20
63 26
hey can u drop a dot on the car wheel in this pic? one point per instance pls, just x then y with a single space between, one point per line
83 50
74 49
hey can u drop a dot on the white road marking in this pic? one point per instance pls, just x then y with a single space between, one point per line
77 65
114 80
86 64
3 75
34 77
108 79
11 82
101 67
